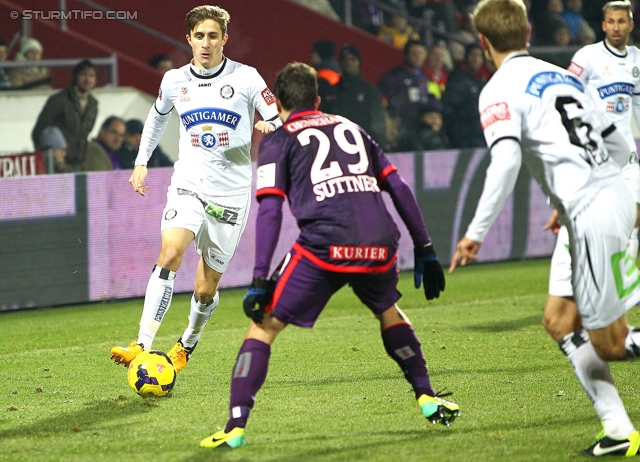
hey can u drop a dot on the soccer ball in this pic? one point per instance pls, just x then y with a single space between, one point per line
151 373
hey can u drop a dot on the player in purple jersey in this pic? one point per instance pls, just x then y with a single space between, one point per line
332 173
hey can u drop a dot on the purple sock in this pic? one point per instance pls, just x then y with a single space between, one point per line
249 373
403 346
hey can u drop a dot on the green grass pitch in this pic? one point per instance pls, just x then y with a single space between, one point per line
332 393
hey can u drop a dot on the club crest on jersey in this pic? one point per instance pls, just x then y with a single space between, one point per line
619 107
209 139
543 80
210 115
616 88
635 71
227 91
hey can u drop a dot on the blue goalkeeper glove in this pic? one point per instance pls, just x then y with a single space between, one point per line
253 302
427 269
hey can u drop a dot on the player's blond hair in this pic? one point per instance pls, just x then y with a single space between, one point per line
617 5
204 12
503 22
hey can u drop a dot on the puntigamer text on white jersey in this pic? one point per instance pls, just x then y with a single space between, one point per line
613 78
216 109
547 110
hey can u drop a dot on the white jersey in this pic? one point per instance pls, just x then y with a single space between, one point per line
613 77
547 110
216 109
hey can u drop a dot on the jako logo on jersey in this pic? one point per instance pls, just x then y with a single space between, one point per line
204 85
494 113
616 88
207 115
539 82
575 69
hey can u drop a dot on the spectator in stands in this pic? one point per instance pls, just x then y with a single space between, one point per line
74 112
460 101
548 21
364 14
404 89
398 31
561 34
586 35
436 71
466 35
322 58
572 14
52 139
592 13
5 80
356 99
129 151
429 134
102 152
161 62
438 11
27 78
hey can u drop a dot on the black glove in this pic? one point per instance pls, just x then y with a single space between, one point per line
254 301
427 268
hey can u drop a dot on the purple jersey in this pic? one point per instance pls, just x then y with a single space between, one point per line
330 171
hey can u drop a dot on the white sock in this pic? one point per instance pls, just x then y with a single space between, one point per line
632 247
198 317
157 301
632 343
595 377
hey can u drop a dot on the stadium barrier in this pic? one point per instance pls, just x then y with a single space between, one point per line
87 237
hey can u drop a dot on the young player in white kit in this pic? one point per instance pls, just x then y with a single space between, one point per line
610 70
535 112
209 196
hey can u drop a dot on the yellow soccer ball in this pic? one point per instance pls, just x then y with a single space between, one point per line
151 373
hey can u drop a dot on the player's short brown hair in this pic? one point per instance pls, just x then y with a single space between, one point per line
616 6
296 86
503 22
204 12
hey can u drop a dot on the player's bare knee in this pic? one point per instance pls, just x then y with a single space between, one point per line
170 257
560 317
205 291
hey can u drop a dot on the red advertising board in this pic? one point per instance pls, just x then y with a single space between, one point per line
24 164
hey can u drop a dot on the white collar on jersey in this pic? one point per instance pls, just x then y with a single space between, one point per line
614 51
516 54
207 73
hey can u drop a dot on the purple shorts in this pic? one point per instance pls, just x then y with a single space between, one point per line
304 288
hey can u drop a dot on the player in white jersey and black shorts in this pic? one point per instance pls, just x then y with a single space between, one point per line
210 192
536 112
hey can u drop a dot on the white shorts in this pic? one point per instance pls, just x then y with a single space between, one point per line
217 222
631 175
605 279
560 272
